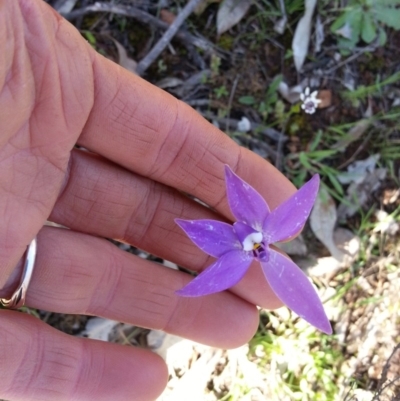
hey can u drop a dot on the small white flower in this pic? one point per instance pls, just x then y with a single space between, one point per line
310 101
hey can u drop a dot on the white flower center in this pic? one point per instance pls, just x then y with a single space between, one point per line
251 241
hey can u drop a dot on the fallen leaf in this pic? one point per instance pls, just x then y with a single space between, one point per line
319 34
353 135
301 38
358 194
280 25
169 82
390 196
167 16
357 171
348 243
230 12
64 6
292 95
325 96
123 59
323 221
387 224
99 329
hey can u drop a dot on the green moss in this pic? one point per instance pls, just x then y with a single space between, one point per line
226 42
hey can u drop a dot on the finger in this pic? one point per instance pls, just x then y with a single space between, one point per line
80 274
105 200
152 133
39 363
42 113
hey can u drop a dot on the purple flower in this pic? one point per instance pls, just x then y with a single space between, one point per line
256 228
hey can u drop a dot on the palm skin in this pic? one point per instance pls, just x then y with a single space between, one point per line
145 150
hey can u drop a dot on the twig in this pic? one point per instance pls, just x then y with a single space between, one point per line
145 63
355 154
258 128
233 90
350 59
279 150
381 384
143 17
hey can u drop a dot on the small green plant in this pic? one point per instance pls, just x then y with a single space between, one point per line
300 364
366 20
90 38
271 97
221 92
162 67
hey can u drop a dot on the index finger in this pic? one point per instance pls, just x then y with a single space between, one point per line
148 131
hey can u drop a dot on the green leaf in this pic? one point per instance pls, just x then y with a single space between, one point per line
316 141
304 161
336 184
386 3
247 100
90 37
382 37
273 87
388 15
368 29
339 22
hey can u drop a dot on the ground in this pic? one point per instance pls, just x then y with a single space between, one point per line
245 81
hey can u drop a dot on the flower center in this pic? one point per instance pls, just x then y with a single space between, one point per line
251 240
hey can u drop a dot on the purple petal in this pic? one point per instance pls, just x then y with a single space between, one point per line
246 204
211 236
294 289
221 275
288 219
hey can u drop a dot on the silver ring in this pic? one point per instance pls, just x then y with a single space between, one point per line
18 298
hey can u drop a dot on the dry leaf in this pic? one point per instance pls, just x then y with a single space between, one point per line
280 25
292 95
348 243
301 38
169 82
123 59
323 221
167 16
357 171
64 6
358 194
319 34
325 95
353 135
99 329
230 12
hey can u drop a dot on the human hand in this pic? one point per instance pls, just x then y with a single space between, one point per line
147 149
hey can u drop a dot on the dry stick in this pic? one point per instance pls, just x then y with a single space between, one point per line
350 59
259 128
145 63
142 17
233 90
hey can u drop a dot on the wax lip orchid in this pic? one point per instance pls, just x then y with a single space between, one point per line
248 239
